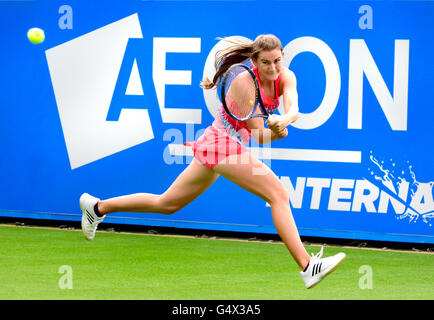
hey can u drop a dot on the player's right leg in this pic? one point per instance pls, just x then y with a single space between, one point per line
192 182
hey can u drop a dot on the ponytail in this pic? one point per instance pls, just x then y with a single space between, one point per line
225 58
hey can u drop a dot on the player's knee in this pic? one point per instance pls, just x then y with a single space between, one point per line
168 209
171 209
280 195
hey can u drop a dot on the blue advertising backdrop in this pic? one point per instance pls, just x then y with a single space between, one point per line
106 102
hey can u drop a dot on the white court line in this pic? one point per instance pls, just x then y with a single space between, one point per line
287 154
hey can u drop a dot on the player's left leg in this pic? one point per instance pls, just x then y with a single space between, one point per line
256 177
252 175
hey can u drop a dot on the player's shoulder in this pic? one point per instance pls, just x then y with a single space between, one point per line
287 78
287 75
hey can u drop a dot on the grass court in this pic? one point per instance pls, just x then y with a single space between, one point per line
52 263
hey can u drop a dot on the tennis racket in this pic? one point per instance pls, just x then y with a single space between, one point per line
240 94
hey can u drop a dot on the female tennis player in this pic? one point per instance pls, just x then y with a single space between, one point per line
221 151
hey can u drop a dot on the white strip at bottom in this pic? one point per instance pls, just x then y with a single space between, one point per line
344 156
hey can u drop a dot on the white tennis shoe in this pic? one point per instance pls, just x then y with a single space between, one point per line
89 220
319 267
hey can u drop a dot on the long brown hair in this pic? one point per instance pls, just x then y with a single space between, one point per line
238 53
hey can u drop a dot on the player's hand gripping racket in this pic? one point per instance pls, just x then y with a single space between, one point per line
240 94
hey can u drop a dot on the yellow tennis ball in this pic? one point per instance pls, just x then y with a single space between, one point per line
251 102
36 35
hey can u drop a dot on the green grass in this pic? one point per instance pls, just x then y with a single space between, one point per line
139 266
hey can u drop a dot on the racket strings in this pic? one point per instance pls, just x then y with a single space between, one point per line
240 93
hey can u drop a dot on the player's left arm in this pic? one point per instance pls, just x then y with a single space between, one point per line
288 88
290 96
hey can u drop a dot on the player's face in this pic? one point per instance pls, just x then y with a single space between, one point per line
269 64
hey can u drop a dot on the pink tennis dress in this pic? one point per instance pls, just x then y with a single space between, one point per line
227 136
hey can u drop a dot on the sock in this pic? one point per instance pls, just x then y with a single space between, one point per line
95 209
